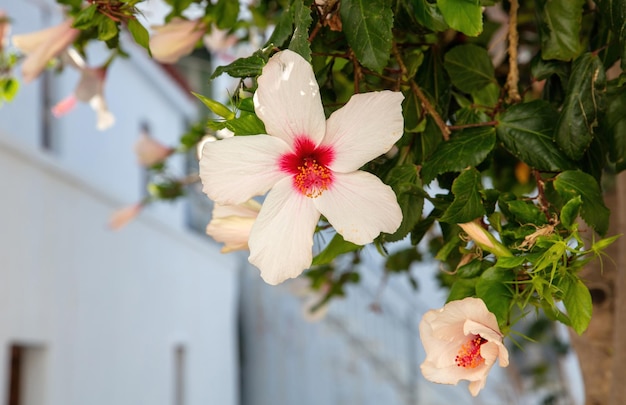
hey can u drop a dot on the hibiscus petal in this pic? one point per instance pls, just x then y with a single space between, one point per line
281 239
235 169
288 100
360 206
365 128
176 39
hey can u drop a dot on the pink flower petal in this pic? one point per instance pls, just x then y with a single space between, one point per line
288 100
64 106
149 151
42 46
175 39
236 169
365 128
123 216
281 240
360 206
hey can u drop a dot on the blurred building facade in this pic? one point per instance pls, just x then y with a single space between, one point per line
154 314
89 316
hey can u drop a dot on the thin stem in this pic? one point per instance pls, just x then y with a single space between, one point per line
479 124
513 76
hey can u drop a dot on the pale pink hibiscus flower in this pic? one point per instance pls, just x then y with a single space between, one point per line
123 216
149 151
309 166
462 342
176 39
231 224
42 46
90 90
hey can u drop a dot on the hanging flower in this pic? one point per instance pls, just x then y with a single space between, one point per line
220 43
462 342
149 151
231 224
178 38
308 165
42 46
123 216
90 90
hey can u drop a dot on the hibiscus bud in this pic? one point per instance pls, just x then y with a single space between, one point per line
123 216
150 151
42 46
484 239
462 341
172 41
231 224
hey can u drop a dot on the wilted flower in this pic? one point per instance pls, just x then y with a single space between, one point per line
42 46
176 39
123 216
462 342
308 165
90 90
231 224
149 151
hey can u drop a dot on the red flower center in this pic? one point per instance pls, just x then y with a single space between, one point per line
308 165
469 354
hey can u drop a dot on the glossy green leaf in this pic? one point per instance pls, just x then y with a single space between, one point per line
466 148
469 67
246 124
85 18
577 301
337 246
573 183
243 67
107 29
10 87
139 33
614 12
467 204
493 288
218 108
560 28
463 15
402 259
302 21
462 288
429 15
614 124
367 25
526 212
283 29
570 212
584 101
226 13
526 132
405 183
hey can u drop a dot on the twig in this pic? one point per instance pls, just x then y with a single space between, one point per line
478 124
512 78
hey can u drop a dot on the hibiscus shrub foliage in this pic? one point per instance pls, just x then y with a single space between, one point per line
512 117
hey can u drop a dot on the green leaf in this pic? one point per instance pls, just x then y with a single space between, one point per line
526 212
584 100
226 13
463 15
367 25
139 33
560 28
242 67
467 204
429 15
10 87
107 29
283 29
614 124
469 67
405 183
402 259
335 247
526 132
462 288
302 21
466 148
492 287
246 124
571 184
84 19
614 12
570 212
577 301
218 108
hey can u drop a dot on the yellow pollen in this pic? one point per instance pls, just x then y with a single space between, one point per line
469 354
312 178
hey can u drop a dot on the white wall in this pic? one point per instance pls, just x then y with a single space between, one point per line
109 307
